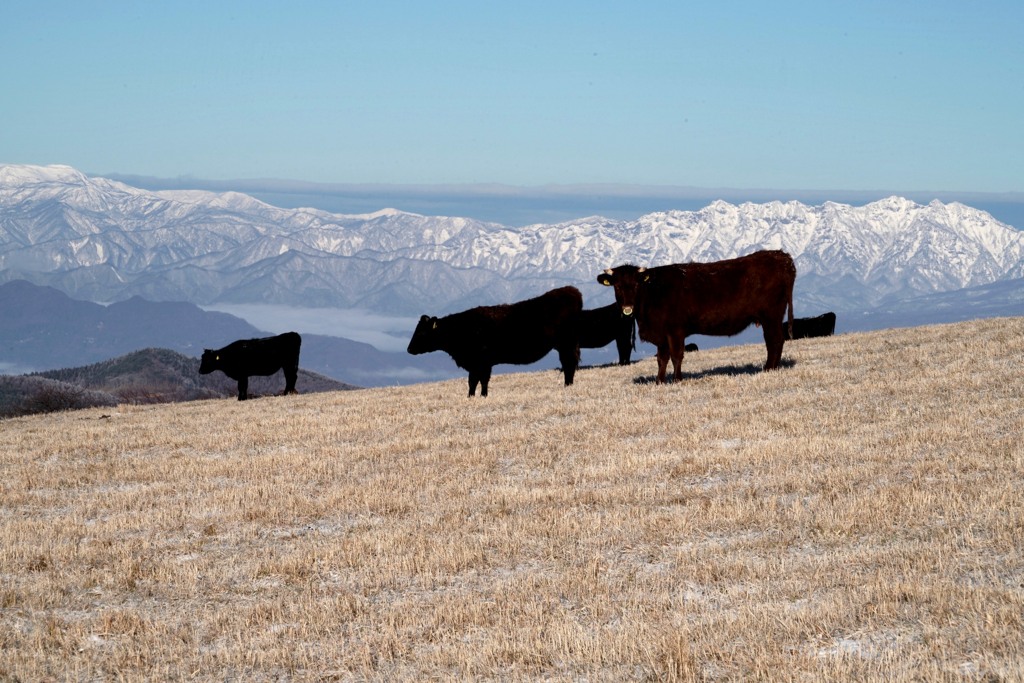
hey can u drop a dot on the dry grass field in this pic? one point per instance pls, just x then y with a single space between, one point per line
856 515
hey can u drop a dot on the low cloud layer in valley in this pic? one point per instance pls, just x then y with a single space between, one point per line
384 332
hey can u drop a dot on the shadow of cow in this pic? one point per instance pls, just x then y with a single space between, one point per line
722 370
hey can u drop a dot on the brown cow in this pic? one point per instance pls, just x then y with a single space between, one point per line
719 299
519 333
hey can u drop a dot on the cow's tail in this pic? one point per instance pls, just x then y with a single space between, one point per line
789 334
632 332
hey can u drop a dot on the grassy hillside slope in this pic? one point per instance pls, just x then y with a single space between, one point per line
856 515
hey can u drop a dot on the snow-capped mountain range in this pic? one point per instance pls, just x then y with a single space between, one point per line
102 240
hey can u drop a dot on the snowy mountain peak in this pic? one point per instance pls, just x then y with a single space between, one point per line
386 213
898 204
17 174
102 240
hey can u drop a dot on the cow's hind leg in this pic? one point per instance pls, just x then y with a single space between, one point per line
485 378
774 338
243 388
623 346
291 375
569 356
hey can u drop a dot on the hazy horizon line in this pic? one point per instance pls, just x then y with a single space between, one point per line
519 205
189 181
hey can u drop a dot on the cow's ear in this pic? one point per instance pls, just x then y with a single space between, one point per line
605 279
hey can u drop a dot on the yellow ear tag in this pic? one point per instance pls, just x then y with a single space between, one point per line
216 357
435 325
647 278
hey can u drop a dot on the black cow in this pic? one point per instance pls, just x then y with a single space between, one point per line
823 325
600 326
246 357
518 333
722 298
690 348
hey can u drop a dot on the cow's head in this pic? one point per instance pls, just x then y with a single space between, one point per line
426 338
210 362
627 281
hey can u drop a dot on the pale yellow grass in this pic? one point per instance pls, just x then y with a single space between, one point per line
857 515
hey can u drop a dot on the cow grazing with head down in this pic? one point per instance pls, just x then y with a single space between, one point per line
600 326
518 333
246 357
823 325
719 299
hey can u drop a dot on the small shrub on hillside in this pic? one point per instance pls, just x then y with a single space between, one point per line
57 396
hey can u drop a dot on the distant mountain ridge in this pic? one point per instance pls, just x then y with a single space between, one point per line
45 324
105 241
43 329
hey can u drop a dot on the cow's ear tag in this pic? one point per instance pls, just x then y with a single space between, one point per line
647 278
216 358
435 325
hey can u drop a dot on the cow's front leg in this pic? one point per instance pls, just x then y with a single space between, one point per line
678 350
663 356
474 379
243 388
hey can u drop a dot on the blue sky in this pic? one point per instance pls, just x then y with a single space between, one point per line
908 96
